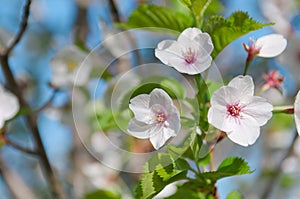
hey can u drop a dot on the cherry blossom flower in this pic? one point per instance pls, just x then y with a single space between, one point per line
272 80
237 112
189 54
67 69
297 112
9 106
155 117
267 46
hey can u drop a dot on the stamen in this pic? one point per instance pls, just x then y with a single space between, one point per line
189 56
234 110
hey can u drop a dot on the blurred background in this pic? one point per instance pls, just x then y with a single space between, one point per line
68 28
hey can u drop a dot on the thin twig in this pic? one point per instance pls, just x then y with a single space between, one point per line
31 118
48 103
22 28
8 142
116 18
277 170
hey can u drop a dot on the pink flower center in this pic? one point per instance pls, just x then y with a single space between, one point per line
160 117
273 79
189 56
234 110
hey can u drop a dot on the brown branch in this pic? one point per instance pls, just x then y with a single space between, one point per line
22 30
8 142
277 170
48 103
31 118
114 10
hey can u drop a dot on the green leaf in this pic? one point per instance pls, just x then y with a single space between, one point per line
156 16
103 194
174 89
188 3
224 31
197 8
184 192
229 167
234 165
234 195
160 171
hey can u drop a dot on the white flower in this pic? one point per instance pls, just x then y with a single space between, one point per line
189 54
67 68
9 106
267 46
155 117
237 112
297 112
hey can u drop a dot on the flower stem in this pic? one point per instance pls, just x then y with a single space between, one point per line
248 63
289 109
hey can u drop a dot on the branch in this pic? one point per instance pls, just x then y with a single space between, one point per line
22 30
8 142
31 118
48 103
277 170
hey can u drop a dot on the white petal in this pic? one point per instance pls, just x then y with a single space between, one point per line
259 109
9 105
218 118
245 133
159 96
224 96
141 130
140 107
174 120
161 137
189 34
205 43
1 122
244 84
297 112
198 67
271 45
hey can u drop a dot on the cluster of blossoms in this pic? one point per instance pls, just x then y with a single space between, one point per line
234 109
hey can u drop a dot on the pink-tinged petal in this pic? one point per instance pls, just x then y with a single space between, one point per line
259 109
171 53
245 133
140 107
140 130
159 96
195 68
161 137
218 118
297 112
271 45
189 34
244 84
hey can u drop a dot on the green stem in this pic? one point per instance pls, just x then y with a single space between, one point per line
248 63
283 109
